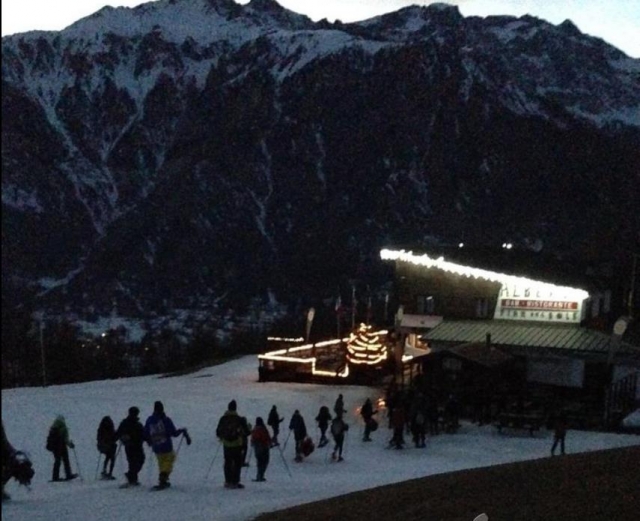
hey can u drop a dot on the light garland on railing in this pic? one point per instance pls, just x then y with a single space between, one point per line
279 356
458 269
280 339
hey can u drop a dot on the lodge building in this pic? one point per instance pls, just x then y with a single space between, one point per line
500 329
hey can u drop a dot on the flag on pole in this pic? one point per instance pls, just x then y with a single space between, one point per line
354 303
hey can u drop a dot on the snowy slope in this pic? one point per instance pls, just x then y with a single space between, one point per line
196 401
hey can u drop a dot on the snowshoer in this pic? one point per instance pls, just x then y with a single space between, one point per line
323 419
158 431
397 424
106 440
58 443
231 431
131 433
338 407
15 464
274 422
8 453
559 432
261 443
338 430
299 429
418 415
367 412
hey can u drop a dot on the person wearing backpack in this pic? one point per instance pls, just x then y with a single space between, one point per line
323 419
231 433
261 443
58 443
106 440
274 421
299 429
338 430
367 412
131 433
158 431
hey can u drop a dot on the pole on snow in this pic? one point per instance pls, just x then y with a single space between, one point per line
75 454
285 441
284 461
248 460
213 461
98 465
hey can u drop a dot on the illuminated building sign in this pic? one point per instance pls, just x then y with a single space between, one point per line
520 298
540 302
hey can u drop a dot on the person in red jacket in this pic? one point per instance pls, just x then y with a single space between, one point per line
261 443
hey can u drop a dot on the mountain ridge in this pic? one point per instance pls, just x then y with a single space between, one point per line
174 149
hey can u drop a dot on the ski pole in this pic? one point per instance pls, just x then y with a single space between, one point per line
115 459
179 445
75 454
286 441
213 460
248 460
284 461
98 464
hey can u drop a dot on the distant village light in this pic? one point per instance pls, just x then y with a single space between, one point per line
461 245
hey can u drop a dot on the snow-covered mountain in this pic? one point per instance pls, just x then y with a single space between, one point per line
182 151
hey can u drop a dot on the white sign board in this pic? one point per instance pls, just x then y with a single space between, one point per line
532 302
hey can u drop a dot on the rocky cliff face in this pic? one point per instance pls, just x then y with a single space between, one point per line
186 152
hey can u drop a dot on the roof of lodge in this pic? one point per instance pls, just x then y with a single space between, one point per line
523 263
481 353
568 338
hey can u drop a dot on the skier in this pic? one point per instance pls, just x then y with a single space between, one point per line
338 430
338 407
261 443
367 412
231 432
131 433
274 422
106 439
158 431
299 429
323 419
59 443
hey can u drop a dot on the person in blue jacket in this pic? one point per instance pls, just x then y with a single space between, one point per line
158 431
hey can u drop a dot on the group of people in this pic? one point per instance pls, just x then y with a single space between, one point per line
157 432
235 435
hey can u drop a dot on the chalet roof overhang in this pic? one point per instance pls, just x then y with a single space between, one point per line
530 337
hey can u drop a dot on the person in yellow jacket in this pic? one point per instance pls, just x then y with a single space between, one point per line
232 430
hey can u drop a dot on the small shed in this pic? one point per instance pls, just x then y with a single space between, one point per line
479 375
